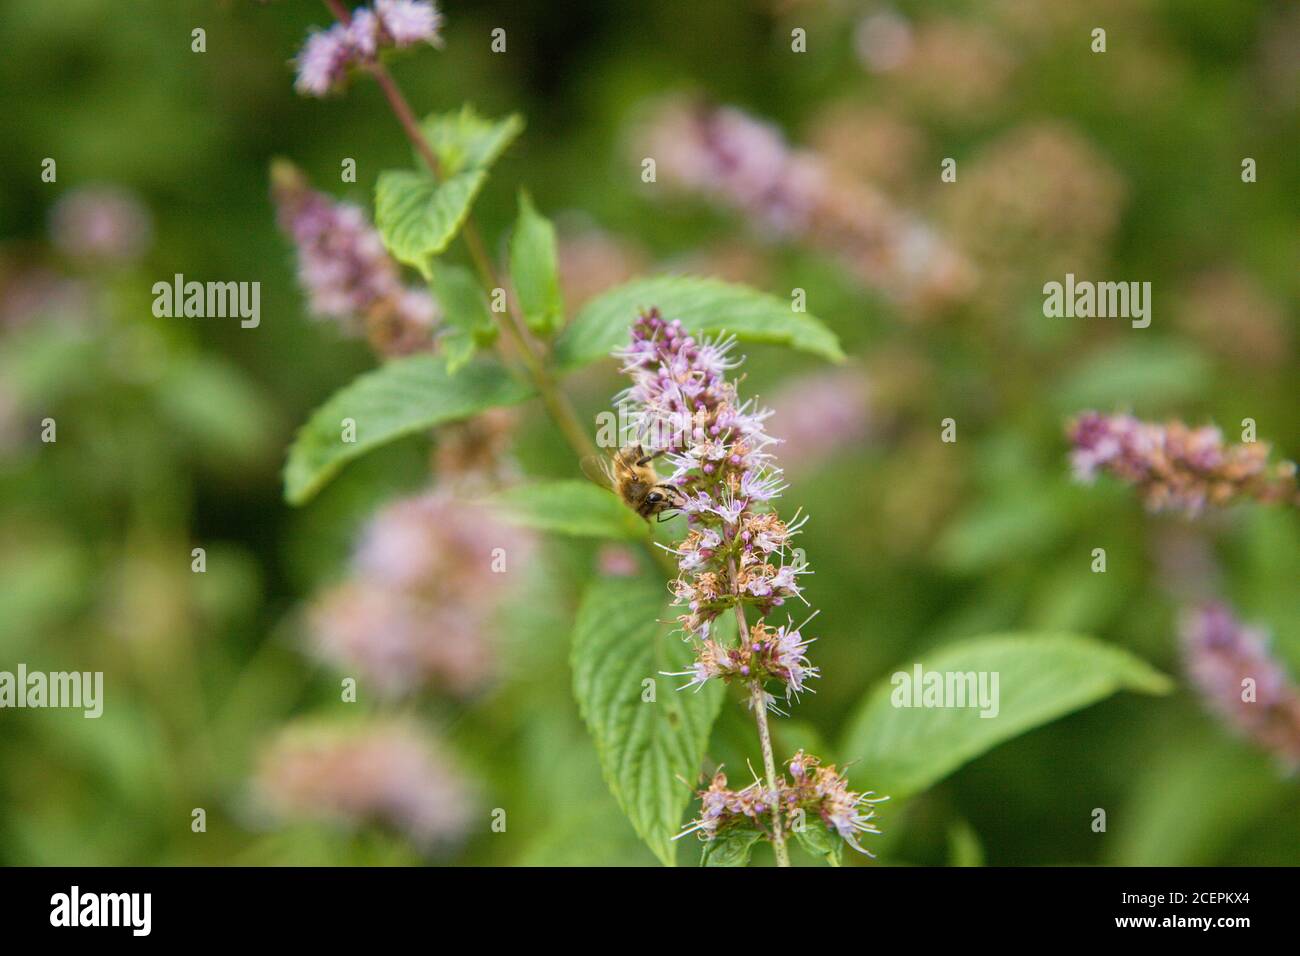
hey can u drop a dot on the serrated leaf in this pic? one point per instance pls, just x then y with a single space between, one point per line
464 311
418 217
904 750
533 269
461 139
730 847
646 749
576 508
404 396
703 306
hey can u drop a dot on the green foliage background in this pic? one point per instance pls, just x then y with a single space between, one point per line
172 432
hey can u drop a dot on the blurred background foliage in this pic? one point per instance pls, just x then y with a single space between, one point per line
171 431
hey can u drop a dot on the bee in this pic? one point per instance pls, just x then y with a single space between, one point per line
630 474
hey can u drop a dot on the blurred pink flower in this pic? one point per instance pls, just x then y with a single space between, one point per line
328 55
1177 468
615 560
101 224
820 415
421 604
745 164
1241 681
346 271
592 260
387 773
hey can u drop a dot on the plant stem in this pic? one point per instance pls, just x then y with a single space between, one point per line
557 403
759 706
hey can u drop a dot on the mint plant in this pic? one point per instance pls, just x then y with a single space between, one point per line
478 335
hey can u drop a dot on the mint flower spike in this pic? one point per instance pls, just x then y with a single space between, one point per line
345 270
736 553
1221 655
328 55
1177 468
744 164
771 654
812 793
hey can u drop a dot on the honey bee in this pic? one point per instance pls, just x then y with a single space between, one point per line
630 474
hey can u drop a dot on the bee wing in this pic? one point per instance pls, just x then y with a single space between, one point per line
598 469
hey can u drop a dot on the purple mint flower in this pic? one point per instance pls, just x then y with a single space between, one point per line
815 795
1177 468
1241 681
328 55
324 60
743 164
408 22
345 270
734 554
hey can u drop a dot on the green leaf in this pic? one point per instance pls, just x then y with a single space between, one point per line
1146 377
1190 801
418 217
464 310
533 269
703 306
576 508
818 841
404 396
1040 677
463 140
730 847
964 847
216 409
650 752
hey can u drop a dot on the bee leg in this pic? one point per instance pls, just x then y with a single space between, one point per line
646 459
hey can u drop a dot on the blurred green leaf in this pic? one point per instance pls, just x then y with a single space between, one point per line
964 847
1001 529
43 579
1191 801
404 396
418 217
702 306
650 751
730 847
819 842
576 508
216 408
1139 377
533 269
463 140
1040 677
464 310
